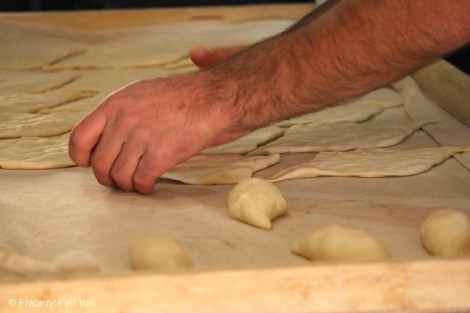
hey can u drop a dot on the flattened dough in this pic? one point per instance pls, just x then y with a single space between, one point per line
370 163
320 137
248 142
158 252
357 110
15 125
117 55
256 202
84 105
33 102
35 153
336 243
219 169
446 232
34 82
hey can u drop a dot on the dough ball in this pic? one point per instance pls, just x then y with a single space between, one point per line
158 252
446 232
256 201
338 243
77 261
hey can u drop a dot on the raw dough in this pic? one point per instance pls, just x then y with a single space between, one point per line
33 102
340 137
84 105
118 55
219 169
446 232
15 125
248 142
35 153
338 243
357 110
257 202
158 252
370 163
34 82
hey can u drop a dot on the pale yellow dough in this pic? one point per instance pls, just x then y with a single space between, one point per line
320 137
256 202
446 232
34 82
158 252
370 163
15 125
248 142
219 169
357 110
35 153
336 243
33 102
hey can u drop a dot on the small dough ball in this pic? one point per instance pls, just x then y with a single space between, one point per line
256 201
338 243
158 252
446 232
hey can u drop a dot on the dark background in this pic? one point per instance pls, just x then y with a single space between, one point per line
35 5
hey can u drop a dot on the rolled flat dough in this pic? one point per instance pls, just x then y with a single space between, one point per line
357 110
247 143
34 82
35 153
83 105
446 232
15 125
118 55
370 163
256 202
33 102
158 252
320 137
336 243
219 169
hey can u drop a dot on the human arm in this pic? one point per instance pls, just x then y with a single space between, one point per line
143 130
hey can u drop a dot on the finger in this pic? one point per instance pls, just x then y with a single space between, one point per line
150 167
105 153
84 138
124 167
203 57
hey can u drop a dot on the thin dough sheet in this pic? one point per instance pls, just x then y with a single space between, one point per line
370 163
248 142
219 169
35 153
357 110
34 82
15 125
340 137
33 102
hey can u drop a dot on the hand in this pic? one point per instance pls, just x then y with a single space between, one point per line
146 128
204 58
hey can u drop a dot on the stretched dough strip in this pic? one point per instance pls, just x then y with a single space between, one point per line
340 137
357 110
247 143
370 163
15 125
219 169
33 102
35 153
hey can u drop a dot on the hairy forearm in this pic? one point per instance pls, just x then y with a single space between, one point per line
352 47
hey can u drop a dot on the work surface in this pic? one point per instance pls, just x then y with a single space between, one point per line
47 212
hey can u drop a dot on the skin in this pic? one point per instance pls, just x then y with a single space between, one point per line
342 50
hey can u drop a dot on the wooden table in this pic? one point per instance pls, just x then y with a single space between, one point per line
413 285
